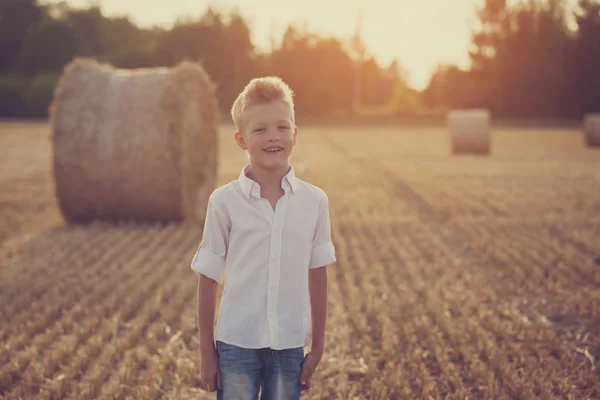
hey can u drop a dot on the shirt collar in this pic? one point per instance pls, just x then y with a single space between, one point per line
250 187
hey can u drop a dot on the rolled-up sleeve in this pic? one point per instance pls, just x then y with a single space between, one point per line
210 257
323 250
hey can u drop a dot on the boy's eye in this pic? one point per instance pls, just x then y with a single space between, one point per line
284 127
259 129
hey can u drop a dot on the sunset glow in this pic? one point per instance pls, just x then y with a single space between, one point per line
419 34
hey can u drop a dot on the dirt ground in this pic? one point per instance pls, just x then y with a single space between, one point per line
457 276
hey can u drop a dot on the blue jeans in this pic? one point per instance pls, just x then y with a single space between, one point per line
245 371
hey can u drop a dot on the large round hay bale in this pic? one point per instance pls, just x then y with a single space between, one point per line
470 131
137 145
591 129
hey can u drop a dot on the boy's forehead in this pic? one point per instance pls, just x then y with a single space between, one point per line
267 112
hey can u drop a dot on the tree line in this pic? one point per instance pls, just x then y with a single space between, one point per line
36 41
533 59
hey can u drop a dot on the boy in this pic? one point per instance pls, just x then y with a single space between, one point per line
267 236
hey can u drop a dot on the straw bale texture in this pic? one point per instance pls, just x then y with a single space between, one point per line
136 145
470 131
591 129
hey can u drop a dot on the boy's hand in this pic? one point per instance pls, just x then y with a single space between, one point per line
309 365
209 370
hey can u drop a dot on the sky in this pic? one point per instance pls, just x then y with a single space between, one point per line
420 34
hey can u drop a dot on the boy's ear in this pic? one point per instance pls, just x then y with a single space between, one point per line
239 138
295 133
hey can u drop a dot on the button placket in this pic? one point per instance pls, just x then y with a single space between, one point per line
274 269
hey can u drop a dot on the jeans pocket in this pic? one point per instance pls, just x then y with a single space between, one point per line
230 354
240 371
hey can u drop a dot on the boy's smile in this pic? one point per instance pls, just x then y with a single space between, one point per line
268 134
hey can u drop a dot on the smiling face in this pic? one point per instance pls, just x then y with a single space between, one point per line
268 134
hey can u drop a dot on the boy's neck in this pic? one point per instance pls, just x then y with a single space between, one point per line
268 179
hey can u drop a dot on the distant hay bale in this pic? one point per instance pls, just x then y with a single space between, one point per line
591 129
470 131
138 145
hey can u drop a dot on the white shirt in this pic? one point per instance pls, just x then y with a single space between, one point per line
263 256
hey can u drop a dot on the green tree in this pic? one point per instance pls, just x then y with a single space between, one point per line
450 86
127 46
318 69
585 67
16 18
37 41
237 64
89 26
222 44
48 46
519 60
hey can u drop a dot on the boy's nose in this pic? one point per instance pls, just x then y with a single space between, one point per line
273 135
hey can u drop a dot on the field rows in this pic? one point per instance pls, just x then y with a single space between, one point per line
405 319
563 183
524 271
114 302
448 285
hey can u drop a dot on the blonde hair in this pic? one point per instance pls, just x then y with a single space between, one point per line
261 91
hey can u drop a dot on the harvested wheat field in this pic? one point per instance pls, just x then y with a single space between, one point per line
458 277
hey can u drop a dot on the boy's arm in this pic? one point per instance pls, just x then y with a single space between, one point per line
317 282
209 365
207 298
208 263
323 254
209 259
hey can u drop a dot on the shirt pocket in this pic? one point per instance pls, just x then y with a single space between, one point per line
247 223
299 226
